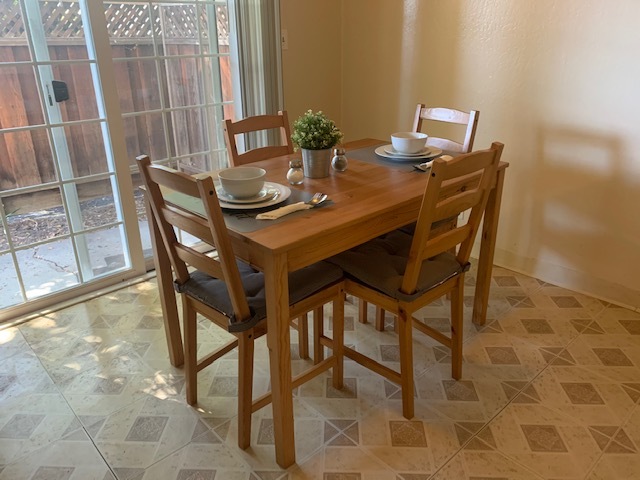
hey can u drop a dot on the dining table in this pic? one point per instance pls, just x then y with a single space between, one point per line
373 196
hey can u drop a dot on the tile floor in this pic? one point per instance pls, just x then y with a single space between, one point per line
550 389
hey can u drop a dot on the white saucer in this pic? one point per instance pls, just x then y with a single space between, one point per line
264 195
431 152
392 151
280 194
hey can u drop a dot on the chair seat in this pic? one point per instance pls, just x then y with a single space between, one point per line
213 292
381 263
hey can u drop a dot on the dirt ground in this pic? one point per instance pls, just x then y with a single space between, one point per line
52 222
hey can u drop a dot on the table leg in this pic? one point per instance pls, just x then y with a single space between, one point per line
487 249
279 344
167 294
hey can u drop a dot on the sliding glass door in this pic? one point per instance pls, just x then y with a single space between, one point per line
86 87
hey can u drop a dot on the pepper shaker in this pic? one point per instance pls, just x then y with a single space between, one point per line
295 175
339 161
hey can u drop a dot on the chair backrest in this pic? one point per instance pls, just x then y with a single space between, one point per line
256 124
454 186
161 181
448 115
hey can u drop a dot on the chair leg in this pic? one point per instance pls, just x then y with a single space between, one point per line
362 311
189 320
303 336
457 308
338 341
245 387
318 331
380 319
404 322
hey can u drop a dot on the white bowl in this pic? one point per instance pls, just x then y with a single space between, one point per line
409 142
242 182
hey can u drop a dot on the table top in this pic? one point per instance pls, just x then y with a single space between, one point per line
372 197
367 200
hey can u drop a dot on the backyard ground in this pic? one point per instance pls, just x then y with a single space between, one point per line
51 223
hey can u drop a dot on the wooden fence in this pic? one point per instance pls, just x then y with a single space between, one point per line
26 158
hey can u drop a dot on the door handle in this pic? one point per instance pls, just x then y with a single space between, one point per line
60 91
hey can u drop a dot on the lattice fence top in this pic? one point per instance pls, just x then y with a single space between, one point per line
124 20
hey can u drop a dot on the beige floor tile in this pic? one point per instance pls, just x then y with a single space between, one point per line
615 356
615 320
71 458
544 327
143 433
195 461
22 373
473 465
550 389
584 395
549 443
33 413
12 341
344 461
495 354
474 398
620 451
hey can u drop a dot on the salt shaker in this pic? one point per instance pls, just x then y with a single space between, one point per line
339 161
295 175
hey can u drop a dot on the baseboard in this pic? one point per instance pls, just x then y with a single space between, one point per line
570 279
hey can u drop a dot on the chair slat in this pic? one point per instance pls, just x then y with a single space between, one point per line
444 115
174 180
200 261
445 144
190 223
454 205
260 153
445 242
448 115
255 124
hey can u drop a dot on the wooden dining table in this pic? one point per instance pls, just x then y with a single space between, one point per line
367 200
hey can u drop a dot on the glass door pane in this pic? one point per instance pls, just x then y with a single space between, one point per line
86 87
59 195
173 68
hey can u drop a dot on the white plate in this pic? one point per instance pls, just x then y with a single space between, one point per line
433 152
282 193
264 195
392 151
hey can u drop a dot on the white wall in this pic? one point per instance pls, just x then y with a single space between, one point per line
556 81
312 63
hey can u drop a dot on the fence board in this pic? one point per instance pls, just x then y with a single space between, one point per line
19 161
90 156
26 159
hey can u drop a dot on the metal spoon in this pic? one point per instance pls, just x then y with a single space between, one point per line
317 199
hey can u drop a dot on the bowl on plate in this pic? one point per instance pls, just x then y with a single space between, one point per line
409 142
242 182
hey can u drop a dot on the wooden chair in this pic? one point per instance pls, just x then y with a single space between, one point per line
256 124
411 271
442 115
448 115
228 292
265 123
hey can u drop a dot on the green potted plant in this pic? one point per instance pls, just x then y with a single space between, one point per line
315 135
